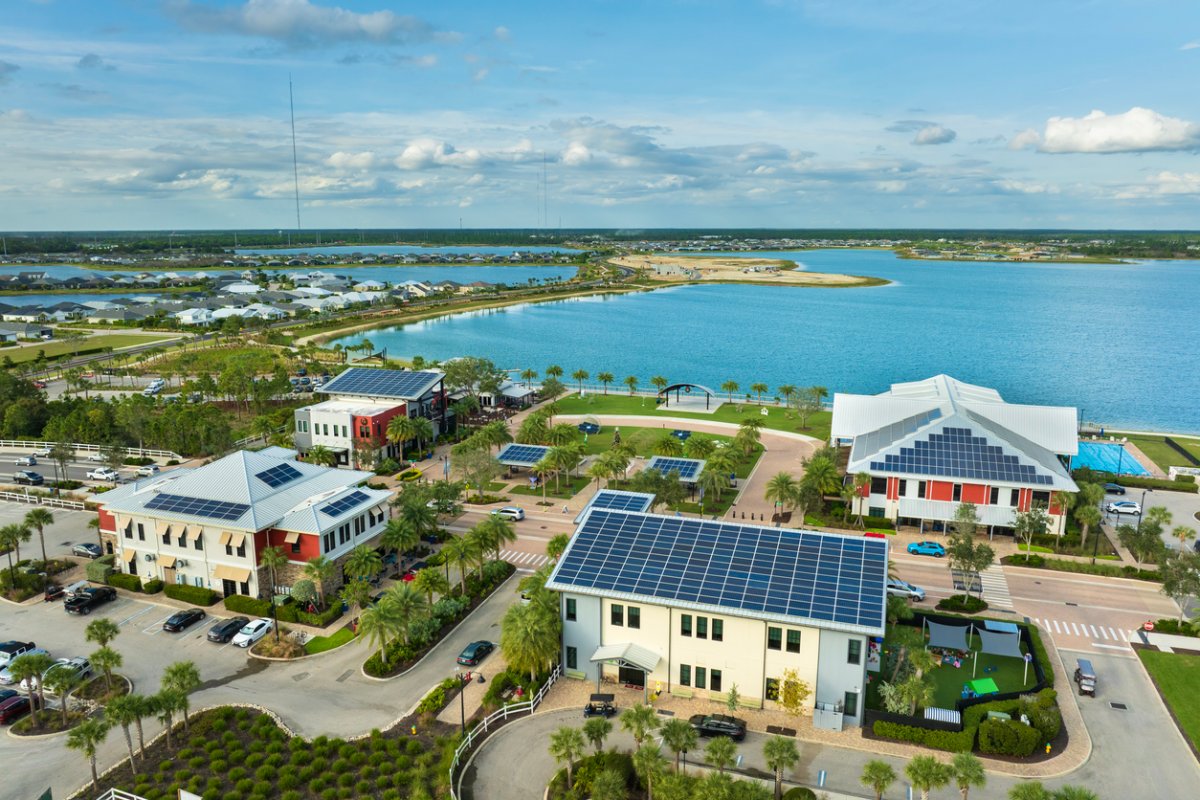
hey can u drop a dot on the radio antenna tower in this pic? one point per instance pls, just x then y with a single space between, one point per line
295 166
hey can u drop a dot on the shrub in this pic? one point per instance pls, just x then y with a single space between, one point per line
960 742
433 702
265 773
121 580
236 773
244 785
153 586
968 604
98 571
388 466
591 766
196 595
800 793
322 619
1008 738
1081 567
1175 627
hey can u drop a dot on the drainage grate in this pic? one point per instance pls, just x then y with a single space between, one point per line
1119 706
1072 604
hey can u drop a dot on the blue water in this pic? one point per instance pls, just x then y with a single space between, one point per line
400 249
440 272
1107 458
1116 341
75 297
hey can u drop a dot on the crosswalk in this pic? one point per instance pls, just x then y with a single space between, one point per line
528 562
1097 633
995 588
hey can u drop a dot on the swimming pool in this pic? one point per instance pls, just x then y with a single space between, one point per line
1104 457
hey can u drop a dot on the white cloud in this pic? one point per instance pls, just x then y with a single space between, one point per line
348 161
424 153
1025 139
1025 187
1138 130
480 73
6 71
1164 184
890 187
577 153
1191 46
502 33
934 134
94 62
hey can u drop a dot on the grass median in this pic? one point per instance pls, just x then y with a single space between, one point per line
1177 675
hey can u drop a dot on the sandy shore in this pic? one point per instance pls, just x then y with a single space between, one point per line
742 270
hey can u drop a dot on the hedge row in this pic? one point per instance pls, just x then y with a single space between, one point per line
1184 483
286 611
961 742
964 603
122 580
1035 561
196 595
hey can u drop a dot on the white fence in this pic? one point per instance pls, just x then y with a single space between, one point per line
41 500
79 447
480 731
117 794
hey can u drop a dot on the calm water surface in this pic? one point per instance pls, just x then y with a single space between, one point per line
1117 341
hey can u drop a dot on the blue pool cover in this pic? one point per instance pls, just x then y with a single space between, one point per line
1104 457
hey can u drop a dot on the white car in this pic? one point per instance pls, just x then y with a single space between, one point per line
42 451
252 632
6 674
148 471
905 589
96 456
103 474
1124 507
80 666
512 513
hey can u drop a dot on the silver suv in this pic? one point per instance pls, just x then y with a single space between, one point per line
905 589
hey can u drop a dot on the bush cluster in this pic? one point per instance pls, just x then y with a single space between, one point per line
196 595
1036 561
960 742
153 586
122 580
1175 627
1184 483
968 604
98 571
1007 737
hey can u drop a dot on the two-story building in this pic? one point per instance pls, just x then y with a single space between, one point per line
932 445
362 401
698 607
207 526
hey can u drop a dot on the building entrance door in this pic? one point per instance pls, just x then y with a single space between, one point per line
168 575
632 676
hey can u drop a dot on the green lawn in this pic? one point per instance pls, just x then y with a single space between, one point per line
1177 676
1157 449
319 644
566 488
94 344
777 417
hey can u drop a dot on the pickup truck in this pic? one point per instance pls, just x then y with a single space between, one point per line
87 600
103 474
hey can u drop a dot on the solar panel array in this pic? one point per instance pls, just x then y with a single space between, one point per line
621 501
688 468
341 506
380 382
522 454
278 475
801 574
197 506
959 453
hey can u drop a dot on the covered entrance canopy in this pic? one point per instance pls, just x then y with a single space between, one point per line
632 660
691 396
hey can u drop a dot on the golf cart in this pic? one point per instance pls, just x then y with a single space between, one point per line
1085 676
600 705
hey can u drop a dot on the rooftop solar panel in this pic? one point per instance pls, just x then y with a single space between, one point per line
197 506
278 475
522 455
688 468
344 504
801 574
365 381
621 501
959 453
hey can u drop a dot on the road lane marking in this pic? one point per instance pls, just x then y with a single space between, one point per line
1103 633
1110 646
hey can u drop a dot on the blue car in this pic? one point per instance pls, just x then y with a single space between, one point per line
927 549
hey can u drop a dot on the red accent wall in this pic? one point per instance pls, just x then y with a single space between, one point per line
893 488
939 490
260 544
1054 509
108 521
974 493
865 491
378 423
1025 500
310 545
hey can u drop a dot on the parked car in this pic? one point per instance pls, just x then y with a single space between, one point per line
87 550
7 693
927 549
148 470
719 725
95 457
79 666
6 677
475 652
53 592
26 461
103 474
511 513
411 574
90 599
1114 488
39 384
1124 507
225 630
13 709
181 620
42 452
600 705
251 632
28 478
905 589
11 649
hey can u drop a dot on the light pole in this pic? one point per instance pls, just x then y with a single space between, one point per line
462 707
1142 510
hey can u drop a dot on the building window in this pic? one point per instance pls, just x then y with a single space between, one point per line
903 491
701 627
296 546
774 638
198 542
878 485
994 497
617 615
772 690
921 486
1043 498
685 625
328 541
854 652
182 540
685 675
166 537
129 531
635 617
571 609
246 588
572 658
718 630
793 641
141 533
228 549
241 550
1014 497
198 581
850 706
700 682
714 680
957 492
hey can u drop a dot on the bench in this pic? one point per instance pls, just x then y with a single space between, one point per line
683 694
778 731
576 674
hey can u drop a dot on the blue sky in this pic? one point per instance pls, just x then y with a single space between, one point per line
148 114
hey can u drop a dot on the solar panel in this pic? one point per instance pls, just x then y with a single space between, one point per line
621 501
381 382
959 453
688 468
197 506
522 454
341 506
278 475
784 571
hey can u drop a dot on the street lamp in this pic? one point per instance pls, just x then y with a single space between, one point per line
1142 510
462 707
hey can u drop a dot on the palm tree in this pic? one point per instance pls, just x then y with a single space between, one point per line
639 720
1029 790
423 431
721 752
609 784
20 533
106 660
821 471
647 761
101 631
758 389
429 582
1087 509
499 531
143 706
124 711
1074 793
319 569
557 546
165 704
554 371
782 489
9 541
408 604
86 737
1183 533
712 483
730 387
598 470
30 668
668 445
273 559
780 754
787 391
679 736
38 519
580 375
399 536
528 375
566 746
605 378
926 773
877 776
543 469
533 429
699 447
968 773
364 563
182 678
458 552
659 383
400 430
596 730
529 638
631 381
321 456
377 627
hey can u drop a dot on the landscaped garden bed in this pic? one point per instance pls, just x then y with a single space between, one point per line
1037 561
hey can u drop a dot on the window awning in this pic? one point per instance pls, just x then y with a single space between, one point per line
292 537
161 527
239 574
238 539
183 534
167 562
225 536
128 556
628 653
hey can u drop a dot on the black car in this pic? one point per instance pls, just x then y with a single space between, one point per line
475 652
226 629
182 619
719 725
87 550
1114 488
28 478
53 592
89 599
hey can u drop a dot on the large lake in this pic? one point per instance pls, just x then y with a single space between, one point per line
1119 342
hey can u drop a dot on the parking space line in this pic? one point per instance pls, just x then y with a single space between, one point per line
132 617
155 628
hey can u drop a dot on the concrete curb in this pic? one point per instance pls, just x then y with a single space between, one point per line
37 736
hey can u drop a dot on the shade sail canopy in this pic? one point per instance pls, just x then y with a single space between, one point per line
951 637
